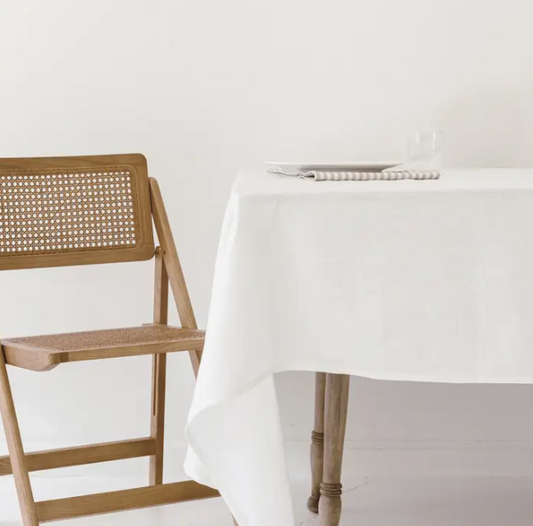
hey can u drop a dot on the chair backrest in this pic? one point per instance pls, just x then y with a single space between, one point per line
57 211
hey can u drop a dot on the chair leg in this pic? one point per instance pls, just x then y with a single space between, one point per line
158 417
337 389
16 450
159 372
317 444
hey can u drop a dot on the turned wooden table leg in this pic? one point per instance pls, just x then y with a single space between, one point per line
317 443
337 389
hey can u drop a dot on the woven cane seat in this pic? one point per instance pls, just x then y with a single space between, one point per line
41 353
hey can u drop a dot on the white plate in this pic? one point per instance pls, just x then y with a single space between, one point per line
363 166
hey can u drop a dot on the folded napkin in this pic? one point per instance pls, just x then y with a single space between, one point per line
391 174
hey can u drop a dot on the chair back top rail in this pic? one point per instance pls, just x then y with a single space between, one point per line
57 211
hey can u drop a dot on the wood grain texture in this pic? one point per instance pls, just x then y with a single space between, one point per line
336 410
27 355
81 455
136 164
173 265
317 443
128 499
42 353
159 372
31 359
15 448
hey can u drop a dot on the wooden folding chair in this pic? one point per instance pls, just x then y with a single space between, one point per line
76 211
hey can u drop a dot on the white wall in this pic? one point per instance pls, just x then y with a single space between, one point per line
206 87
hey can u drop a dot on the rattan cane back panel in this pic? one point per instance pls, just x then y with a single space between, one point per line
73 211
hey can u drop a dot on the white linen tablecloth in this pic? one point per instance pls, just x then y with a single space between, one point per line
396 280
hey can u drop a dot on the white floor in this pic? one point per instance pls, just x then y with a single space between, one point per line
380 501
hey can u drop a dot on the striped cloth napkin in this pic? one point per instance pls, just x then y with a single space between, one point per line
388 175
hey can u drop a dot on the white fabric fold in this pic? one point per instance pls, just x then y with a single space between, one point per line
419 281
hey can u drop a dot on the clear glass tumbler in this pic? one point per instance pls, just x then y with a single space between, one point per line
424 150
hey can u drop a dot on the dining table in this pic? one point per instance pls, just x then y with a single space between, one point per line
397 280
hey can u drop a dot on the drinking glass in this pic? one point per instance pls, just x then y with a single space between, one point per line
425 150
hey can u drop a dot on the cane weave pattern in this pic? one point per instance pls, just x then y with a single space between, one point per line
67 210
78 341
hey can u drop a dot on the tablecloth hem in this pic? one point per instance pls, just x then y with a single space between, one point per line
332 368
191 472
341 368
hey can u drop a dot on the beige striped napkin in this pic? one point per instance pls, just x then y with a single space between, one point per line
316 175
